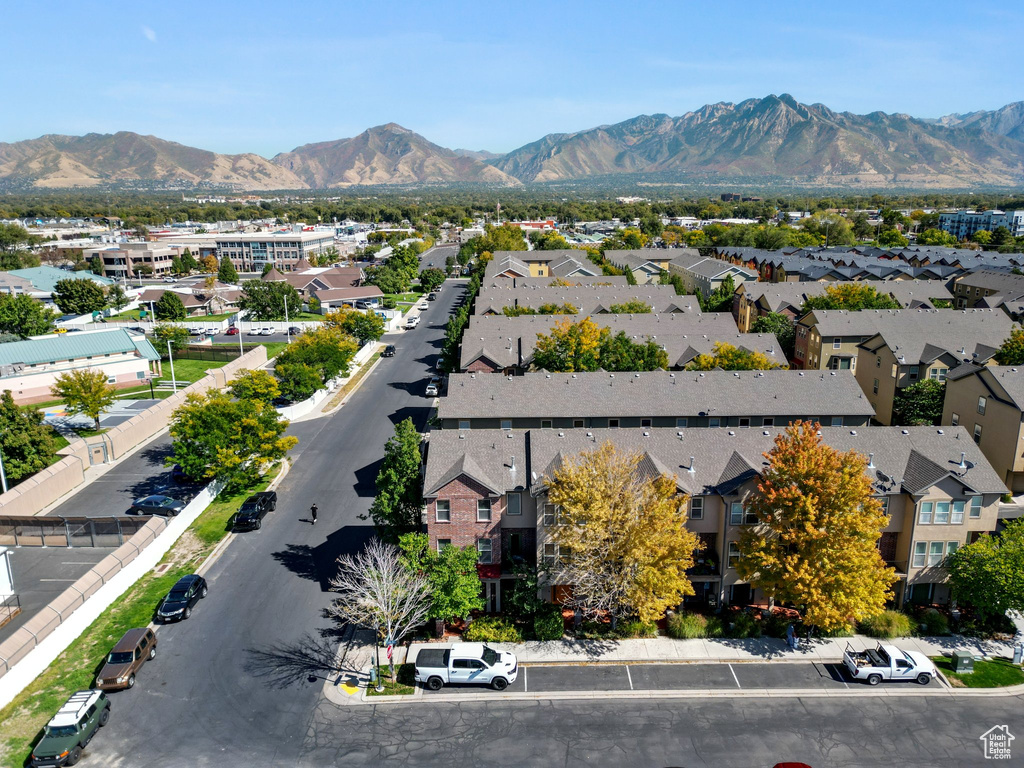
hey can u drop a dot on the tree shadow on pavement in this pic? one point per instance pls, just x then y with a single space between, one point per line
286 664
366 479
320 563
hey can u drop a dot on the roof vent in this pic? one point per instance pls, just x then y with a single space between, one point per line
647 434
547 375
672 375
736 375
561 434
590 434
462 436
636 375
731 433
765 433
853 432
691 468
940 431
905 432
963 463
574 375
801 373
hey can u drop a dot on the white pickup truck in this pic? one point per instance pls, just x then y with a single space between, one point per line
473 663
887 662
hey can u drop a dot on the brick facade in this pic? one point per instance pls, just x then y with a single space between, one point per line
464 529
483 365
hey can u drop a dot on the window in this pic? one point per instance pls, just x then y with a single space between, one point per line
483 510
577 423
958 512
442 543
878 362
463 424
936 551
549 514
506 424
951 547
894 370
837 343
977 433
443 511
714 421
680 423
982 402
955 419
545 423
937 374
549 554
915 371
514 504
942 513
975 506
645 422
920 550
744 422
483 549
884 500
734 554
696 507
837 421
874 387
768 421
564 554
613 423
924 514
740 516
140 374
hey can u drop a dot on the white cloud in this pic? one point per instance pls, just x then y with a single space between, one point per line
149 34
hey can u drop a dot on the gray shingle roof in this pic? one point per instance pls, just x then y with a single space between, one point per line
655 394
924 335
586 298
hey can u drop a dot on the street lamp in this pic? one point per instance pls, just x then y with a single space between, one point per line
174 379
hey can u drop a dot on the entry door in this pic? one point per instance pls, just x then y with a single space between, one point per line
492 596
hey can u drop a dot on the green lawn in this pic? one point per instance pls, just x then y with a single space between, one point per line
189 370
133 314
22 720
997 673
273 347
89 432
405 685
308 317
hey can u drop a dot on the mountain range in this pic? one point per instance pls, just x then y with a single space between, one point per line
767 141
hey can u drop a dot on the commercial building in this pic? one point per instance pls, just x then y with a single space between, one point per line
129 260
251 252
41 282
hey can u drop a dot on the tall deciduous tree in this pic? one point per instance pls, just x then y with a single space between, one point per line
783 328
78 297
631 307
818 524
363 326
988 574
731 358
254 385
23 316
396 508
622 537
431 277
188 261
851 296
227 273
327 350
1012 350
569 347
176 334
84 391
26 444
451 573
919 404
210 263
377 591
116 297
170 307
266 301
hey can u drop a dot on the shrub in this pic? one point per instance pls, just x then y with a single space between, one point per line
745 625
843 630
637 629
987 627
777 624
933 623
548 623
492 629
887 625
687 626
715 627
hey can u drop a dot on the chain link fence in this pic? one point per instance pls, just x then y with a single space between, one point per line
52 531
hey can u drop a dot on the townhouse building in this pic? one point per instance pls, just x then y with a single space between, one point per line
989 288
500 344
829 339
706 274
647 264
925 344
589 299
988 401
558 263
488 489
653 400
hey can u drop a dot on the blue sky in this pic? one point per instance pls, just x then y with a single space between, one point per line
266 77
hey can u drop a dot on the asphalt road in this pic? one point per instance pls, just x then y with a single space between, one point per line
221 691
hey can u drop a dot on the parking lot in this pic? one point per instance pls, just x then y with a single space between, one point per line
548 678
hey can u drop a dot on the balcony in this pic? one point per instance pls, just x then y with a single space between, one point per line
705 564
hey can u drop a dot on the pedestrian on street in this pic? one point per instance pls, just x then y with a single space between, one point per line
312 512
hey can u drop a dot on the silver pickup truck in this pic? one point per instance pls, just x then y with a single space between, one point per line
887 662
473 663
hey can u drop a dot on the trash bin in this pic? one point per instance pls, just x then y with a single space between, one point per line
963 662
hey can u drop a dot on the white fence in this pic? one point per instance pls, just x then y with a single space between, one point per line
296 410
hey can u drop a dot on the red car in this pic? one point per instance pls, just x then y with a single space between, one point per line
231 331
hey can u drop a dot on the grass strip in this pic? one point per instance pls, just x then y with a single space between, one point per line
995 673
353 382
405 684
75 669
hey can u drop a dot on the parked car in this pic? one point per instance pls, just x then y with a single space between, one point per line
887 662
439 365
433 386
295 330
254 331
169 279
233 331
412 322
156 504
71 729
389 351
183 596
178 474
431 296
424 307
367 304
250 515
135 648
212 331
266 331
196 331
472 663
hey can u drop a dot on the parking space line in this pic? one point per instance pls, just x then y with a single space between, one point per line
630 677
526 682
734 676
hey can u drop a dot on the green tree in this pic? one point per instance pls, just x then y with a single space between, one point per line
176 334
23 316
226 273
177 268
116 297
217 437
631 307
451 574
363 326
618 352
266 301
327 350
818 523
26 444
78 297
388 279
396 508
188 261
830 228
936 237
783 328
570 347
431 277
731 358
1012 350
297 381
988 574
919 404
720 299
170 307
891 238
254 385
84 391
852 297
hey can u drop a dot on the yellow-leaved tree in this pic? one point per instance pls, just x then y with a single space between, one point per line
621 535
732 358
570 347
818 524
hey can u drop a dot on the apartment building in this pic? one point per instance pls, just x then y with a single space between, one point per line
250 252
963 224
590 299
500 344
653 400
559 263
488 489
989 402
925 344
989 288
829 339
706 275
647 265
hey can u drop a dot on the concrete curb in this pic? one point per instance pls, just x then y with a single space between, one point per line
363 377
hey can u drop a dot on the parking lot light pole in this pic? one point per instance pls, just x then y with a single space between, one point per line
174 379
3 474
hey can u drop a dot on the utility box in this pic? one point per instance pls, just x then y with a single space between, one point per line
963 662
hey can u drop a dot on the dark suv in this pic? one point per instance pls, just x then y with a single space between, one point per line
389 351
74 725
250 515
183 596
